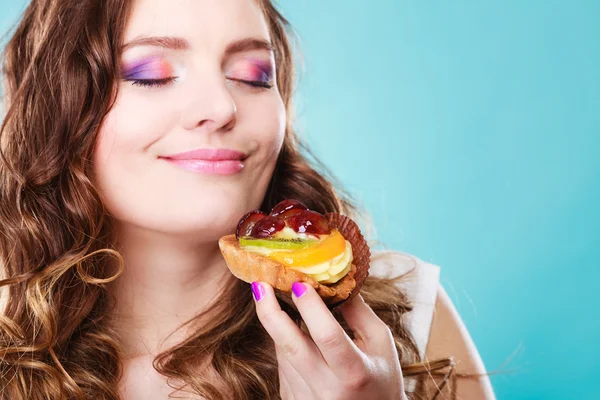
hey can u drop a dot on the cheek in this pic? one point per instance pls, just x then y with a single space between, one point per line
138 122
268 121
267 118
119 156
112 145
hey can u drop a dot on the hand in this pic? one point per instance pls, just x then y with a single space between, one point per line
330 365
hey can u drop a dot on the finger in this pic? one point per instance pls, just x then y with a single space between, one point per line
293 386
284 387
290 342
340 353
372 334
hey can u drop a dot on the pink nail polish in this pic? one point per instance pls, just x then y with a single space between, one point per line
258 291
299 289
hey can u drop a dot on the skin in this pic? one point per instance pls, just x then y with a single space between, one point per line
169 220
328 364
449 338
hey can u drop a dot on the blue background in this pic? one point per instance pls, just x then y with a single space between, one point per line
471 132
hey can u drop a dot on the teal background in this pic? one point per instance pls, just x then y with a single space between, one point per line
471 131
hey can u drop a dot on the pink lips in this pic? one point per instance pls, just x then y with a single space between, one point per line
211 161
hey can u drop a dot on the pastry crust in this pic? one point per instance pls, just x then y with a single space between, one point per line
251 267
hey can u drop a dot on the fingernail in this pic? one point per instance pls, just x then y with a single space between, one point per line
258 291
299 289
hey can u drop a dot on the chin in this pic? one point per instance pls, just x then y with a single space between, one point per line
204 222
204 214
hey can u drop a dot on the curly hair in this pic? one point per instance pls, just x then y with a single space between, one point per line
57 253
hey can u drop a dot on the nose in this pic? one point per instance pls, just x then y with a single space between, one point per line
210 107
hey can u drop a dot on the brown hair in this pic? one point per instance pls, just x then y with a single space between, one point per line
56 251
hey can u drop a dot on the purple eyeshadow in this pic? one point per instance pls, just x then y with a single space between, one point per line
263 71
153 68
149 68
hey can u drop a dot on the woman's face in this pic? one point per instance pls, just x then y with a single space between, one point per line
196 75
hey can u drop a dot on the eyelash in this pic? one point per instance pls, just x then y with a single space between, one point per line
151 82
256 84
162 82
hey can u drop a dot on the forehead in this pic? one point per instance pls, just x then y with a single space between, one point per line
204 23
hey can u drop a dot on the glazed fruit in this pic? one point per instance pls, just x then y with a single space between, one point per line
267 227
290 213
309 222
247 222
287 213
278 244
287 208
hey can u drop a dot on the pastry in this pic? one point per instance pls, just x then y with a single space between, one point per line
293 243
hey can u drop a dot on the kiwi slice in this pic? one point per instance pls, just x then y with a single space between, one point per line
284 244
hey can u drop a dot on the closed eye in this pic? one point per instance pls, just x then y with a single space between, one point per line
256 84
152 82
165 81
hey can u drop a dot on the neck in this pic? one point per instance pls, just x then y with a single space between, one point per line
166 281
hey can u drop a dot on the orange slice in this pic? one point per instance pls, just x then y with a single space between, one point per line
329 248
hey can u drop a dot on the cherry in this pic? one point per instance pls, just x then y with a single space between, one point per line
247 222
310 222
266 227
286 208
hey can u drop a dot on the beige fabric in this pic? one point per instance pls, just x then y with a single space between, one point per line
420 284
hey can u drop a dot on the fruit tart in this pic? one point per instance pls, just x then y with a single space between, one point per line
293 243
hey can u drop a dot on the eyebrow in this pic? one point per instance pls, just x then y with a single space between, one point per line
177 43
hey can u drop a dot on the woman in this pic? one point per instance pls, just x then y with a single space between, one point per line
114 286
